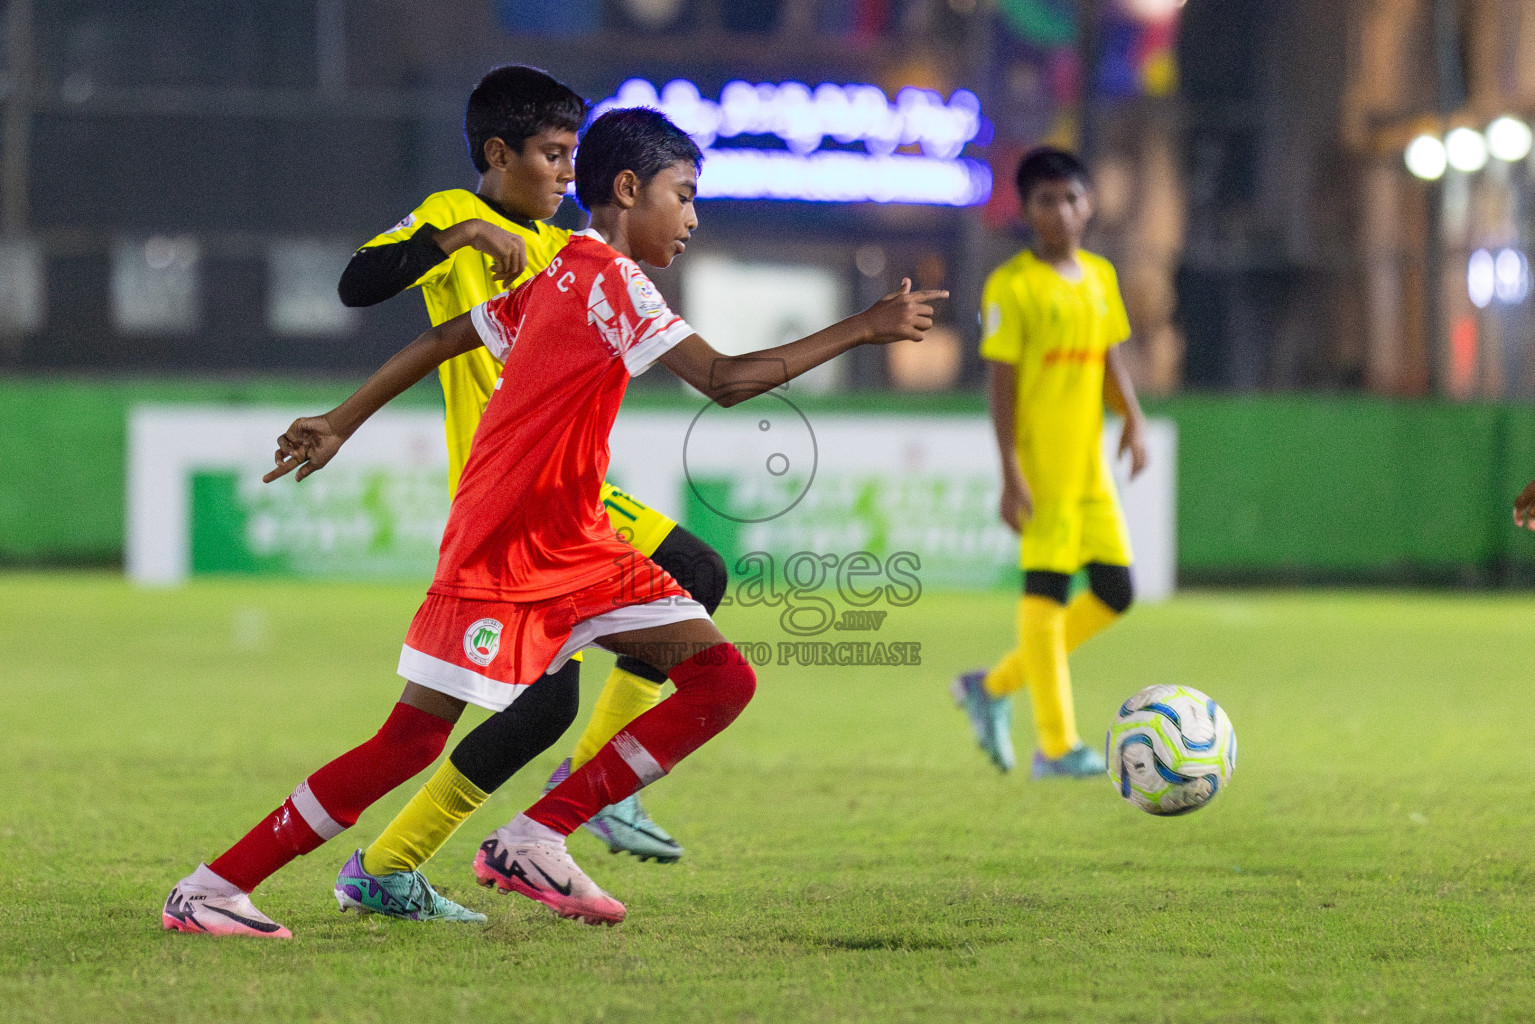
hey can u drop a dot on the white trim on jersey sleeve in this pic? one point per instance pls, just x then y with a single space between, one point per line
644 355
491 331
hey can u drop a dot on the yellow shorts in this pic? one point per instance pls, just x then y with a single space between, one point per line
1065 535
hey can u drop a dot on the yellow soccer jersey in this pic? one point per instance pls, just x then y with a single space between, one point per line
456 285
1057 333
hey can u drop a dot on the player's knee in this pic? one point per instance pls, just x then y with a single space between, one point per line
644 669
1043 583
541 715
1111 584
695 565
414 749
558 712
725 683
710 580
735 684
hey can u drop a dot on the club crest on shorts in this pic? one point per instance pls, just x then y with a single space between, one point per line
482 640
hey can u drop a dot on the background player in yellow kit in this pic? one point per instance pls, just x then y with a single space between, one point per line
460 248
1051 318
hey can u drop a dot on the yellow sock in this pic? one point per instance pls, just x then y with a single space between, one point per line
424 824
1086 617
625 697
1042 651
1007 676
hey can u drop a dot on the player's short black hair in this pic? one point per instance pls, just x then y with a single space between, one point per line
1046 163
634 139
514 103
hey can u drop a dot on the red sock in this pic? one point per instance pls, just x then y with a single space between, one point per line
713 687
330 801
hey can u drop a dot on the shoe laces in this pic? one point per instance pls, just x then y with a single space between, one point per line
419 894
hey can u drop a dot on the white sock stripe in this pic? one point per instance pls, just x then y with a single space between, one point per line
638 758
314 814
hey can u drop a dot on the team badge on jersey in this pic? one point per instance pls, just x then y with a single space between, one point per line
482 640
410 218
642 293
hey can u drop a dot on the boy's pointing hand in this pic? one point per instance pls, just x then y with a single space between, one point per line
308 445
903 315
1524 507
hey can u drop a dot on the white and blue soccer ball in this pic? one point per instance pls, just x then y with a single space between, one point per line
1171 750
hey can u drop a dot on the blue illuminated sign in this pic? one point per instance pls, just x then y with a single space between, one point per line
804 118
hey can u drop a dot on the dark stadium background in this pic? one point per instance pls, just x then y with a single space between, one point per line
1299 299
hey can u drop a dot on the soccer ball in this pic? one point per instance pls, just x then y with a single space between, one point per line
1170 750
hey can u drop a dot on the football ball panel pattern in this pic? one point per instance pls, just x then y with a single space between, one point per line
1170 750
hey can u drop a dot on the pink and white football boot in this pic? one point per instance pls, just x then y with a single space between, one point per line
528 858
205 904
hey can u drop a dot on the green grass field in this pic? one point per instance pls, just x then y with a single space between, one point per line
850 855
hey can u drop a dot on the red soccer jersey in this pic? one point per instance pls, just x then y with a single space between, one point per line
527 523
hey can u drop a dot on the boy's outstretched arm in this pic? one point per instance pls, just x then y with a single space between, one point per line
1119 396
312 441
1002 399
1524 507
903 315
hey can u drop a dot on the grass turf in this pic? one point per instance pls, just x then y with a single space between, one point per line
850 855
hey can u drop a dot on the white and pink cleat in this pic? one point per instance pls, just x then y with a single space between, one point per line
205 904
528 858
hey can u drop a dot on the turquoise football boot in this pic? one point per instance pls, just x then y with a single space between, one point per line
403 894
991 718
1080 762
626 828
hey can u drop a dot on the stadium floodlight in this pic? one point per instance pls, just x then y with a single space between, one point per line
1511 274
1481 278
1509 139
1466 150
1426 158
1153 11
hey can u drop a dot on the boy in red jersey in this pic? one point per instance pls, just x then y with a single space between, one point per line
531 570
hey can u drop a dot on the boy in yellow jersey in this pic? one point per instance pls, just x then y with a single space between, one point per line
1051 318
460 248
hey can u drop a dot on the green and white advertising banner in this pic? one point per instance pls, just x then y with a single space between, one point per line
807 493
196 503
768 477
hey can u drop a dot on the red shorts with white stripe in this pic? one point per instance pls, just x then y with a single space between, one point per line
488 652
